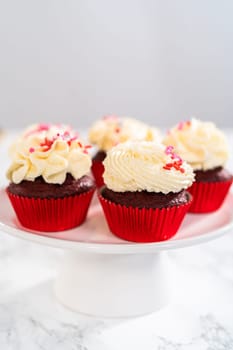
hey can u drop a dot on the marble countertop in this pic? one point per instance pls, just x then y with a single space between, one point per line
199 317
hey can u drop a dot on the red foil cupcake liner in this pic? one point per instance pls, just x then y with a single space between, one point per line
208 196
51 214
97 169
143 225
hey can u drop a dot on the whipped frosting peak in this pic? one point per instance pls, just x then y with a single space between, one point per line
200 143
111 130
146 166
50 151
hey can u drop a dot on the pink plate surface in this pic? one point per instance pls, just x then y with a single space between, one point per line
94 235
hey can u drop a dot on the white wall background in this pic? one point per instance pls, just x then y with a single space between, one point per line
76 60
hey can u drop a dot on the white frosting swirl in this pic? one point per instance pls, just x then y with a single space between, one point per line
201 144
150 166
50 151
111 130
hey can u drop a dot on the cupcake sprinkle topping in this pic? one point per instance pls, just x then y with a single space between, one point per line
50 151
47 143
176 160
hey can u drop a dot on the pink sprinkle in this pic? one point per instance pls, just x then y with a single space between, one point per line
65 136
39 128
169 149
181 125
178 157
43 127
31 149
109 117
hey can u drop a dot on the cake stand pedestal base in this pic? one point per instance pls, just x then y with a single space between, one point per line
108 285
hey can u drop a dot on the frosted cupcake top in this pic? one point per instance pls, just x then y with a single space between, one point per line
201 144
111 130
146 166
50 151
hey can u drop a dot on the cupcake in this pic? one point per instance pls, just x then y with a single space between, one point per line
49 188
205 148
144 199
111 130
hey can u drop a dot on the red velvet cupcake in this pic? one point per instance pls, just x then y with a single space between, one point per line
112 130
49 187
144 199
205 148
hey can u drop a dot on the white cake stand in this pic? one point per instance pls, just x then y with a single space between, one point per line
102 275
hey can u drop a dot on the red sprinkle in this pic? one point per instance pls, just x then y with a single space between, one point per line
47 144
31 149
71 140
66 134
